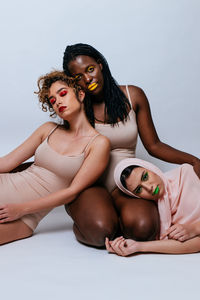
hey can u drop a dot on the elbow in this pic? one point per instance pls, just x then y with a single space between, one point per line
73 196
69 194
153 148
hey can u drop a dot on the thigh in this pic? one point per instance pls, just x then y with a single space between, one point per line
13 231
93 204
94 216
139 217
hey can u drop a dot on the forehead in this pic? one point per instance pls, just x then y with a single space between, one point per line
135 177
80 63
57 86
137 171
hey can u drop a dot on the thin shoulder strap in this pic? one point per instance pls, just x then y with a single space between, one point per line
90 141
129 97
52 130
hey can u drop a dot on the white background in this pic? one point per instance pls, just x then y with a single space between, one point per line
154 44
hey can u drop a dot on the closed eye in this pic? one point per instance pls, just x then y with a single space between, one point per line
63 93
78 77
138 190
52 100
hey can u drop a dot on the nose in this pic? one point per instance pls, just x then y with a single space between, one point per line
59 101
148 187
88 78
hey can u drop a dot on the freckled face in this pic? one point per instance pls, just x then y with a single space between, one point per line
63 100
145 184
88 73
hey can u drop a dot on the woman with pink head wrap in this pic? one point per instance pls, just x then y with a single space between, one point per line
177 194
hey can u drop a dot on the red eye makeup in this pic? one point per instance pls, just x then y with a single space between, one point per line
62 93
52 101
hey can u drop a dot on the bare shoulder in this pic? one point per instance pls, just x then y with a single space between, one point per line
102 140
133 89
45 128
99 148
137 95
100 143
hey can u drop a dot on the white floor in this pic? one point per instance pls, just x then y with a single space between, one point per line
53 265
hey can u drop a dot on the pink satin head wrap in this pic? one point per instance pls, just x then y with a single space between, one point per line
134 162
163 203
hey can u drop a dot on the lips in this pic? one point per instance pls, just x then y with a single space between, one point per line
62 108
92 86
156 191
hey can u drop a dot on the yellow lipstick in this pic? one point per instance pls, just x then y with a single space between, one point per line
92 86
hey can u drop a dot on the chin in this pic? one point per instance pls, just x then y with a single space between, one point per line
96 91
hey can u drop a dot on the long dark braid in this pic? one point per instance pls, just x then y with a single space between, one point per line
117 105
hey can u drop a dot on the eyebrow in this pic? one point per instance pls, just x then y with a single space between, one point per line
134 191
58 91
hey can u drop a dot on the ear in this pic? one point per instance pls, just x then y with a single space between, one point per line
101 66
81 95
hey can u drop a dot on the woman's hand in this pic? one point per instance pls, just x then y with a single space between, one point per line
180 232
10 212
122 246
196 166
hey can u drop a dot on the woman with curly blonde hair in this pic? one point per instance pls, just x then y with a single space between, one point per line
67 159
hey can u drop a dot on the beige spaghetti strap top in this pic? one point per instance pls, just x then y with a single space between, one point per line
123 138
50 172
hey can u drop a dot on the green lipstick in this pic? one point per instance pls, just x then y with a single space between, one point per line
156 191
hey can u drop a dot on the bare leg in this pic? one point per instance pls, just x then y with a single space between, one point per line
139 218
12 231
94 216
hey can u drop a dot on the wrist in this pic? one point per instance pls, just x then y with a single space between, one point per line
25 208
21 210
141 246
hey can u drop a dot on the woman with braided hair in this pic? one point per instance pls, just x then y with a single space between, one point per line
120 113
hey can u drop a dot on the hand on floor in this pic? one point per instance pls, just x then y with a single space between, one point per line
122 246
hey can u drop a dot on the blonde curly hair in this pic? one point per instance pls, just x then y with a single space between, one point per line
45 82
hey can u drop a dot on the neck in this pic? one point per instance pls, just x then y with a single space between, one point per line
80 126
99 98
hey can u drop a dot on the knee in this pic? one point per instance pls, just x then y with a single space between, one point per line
94 234
105 228
94 216
141 226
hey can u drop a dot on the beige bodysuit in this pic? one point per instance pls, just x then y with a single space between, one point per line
49 173
123 138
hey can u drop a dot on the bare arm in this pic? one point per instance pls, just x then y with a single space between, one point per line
149 136
171 246
127 247
182 232
92 167
25 150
